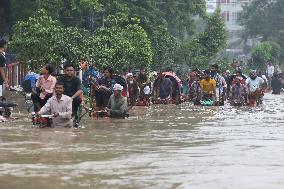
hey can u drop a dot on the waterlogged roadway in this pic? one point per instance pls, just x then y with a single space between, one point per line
158 147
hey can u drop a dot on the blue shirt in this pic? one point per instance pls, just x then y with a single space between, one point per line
91 72
165 88
32 77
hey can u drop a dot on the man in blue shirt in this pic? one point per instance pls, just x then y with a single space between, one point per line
33 77
165 87
90 75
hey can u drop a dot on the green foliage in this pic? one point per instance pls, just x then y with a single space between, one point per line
36 39
263 18
120 33
122 46
266 51
45 41
203 48
164 47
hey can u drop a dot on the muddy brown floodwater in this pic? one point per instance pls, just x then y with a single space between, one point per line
166 146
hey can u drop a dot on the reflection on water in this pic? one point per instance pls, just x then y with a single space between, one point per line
158 147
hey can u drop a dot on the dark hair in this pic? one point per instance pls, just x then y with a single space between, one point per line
169 69
49 68
109 70
239 72
69 65
215 66
59 83
3 42
206 72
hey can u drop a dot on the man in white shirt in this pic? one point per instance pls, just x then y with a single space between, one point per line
60 107
269 72
255 87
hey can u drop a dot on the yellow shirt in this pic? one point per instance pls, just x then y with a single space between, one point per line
208 86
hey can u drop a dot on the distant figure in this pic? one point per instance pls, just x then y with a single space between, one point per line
269 72
133 89
164 86
90 74
277 69
104 89
142 78
3 78
32 77
276 84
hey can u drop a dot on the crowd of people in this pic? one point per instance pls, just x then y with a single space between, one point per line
113 95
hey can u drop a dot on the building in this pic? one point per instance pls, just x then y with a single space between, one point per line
231 11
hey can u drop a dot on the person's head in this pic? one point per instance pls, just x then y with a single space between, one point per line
238 73
130 78
276 75
238 80
117 89
161 75
214 68
59 88
206 74
155 74
252 74
193 76
107 72
47 70
227 72
83 64
169 69
125 71
3 45
269 63
69 70
142 71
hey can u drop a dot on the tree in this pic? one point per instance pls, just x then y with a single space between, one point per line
119 44
36 39
44 41
122 46
266 51
263 18
205 46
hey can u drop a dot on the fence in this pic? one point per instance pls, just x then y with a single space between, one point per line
15 73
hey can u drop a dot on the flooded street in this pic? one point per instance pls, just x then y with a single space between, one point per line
158 147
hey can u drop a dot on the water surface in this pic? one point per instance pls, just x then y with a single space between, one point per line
162 146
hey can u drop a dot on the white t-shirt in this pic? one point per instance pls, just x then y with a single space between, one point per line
254 84
270 71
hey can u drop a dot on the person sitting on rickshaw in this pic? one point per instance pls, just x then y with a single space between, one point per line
104 89
142 80
90 74
255 88
208 87
117 104
44 87
163 87
133 89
